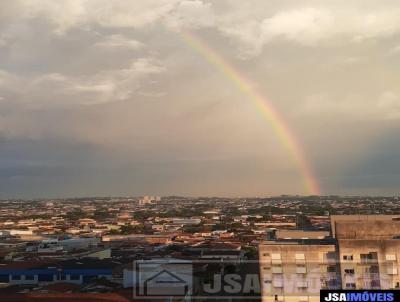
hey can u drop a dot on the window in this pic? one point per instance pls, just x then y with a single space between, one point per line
374 269
45 277
350 285
331 256
397 285
277 270
266 254
375 283
349 271
74 277
369 258
15 277
29 277
301 270
390 257
348 257
4 278
300 257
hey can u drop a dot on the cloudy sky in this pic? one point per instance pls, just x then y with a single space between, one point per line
102 97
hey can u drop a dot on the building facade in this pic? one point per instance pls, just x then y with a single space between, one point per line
362 252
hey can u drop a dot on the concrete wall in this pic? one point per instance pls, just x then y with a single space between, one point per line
367 229
360 218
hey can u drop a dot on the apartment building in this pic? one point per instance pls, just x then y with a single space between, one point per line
362 253
293 271
369 251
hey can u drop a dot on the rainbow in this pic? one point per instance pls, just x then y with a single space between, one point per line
264 107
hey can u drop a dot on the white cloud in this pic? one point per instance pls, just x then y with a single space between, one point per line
311 26
66 14
389 99
306 26
63 90
385 106
394 50
118 41
99 88
252 24
192 14
146 66
118 13
389 102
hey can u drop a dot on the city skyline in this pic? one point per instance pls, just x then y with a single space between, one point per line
264 98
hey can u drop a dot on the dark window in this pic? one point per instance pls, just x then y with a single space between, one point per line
29 277
349 271
375 283
351 285
15 277
87 279
370 257
46 277
74 277
4 279
374 270
332 283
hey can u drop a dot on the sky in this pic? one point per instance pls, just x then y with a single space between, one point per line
103 97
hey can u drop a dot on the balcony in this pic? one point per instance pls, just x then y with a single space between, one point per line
369 259
368 262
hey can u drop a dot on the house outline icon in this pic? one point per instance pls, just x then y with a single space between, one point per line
176 280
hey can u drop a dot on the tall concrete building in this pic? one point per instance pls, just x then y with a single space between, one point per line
296 271
362 252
